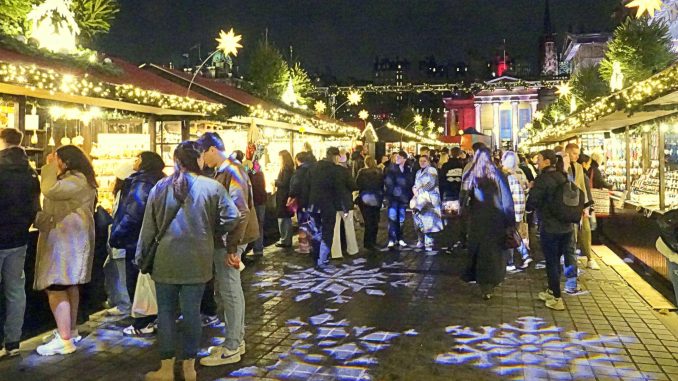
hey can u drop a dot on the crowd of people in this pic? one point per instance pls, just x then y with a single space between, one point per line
179 242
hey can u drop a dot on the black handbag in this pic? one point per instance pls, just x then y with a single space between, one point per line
148 255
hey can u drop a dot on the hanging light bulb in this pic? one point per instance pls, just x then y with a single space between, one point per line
51 142
34 138
65 141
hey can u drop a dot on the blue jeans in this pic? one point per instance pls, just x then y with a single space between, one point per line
258 247
396 217
187 297
673 275
524 254
554 246
323 233
13 282
230 298
115 283
285 227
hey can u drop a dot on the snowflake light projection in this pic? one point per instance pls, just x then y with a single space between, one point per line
339 283
327 349
531 350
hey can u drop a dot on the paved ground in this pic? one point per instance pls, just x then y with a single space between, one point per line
402 316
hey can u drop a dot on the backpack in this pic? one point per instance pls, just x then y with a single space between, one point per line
567 202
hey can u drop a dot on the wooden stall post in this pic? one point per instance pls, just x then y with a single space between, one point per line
152 132
185 130
662 166
21 117
627 139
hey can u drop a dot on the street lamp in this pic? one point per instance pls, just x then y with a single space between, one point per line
229 43
354 97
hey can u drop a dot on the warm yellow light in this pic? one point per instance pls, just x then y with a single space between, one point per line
538 115
363 114
564 89
354 97
649 6
229 43
418 119
431 124
320 107
53 26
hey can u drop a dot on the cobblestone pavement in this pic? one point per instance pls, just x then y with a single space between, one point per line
402 315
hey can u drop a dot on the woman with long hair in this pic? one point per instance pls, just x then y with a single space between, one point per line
193 211
486 199
126 227
282 193
65 250
426 201
519 188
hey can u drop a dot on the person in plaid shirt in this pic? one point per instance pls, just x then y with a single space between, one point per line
519 187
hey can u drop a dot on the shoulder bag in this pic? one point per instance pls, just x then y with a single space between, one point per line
148 256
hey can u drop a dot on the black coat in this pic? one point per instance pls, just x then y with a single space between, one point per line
398 184
597 178
357 163
19 198
130 213
370 184
300 185
541 195
450 179
348 186
282 193
326 184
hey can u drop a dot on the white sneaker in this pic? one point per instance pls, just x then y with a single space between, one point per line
402 243
593 265
555 304
241 348
510 268
527 262
390 245
74 336
546 295
115 311
57 346
221 356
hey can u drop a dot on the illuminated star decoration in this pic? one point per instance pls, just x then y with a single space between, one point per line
363 114
564 89
538 115
649 6
320 107
418 119
354 97
229 43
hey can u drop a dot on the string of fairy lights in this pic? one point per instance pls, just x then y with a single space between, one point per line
37 78
629 100
303 123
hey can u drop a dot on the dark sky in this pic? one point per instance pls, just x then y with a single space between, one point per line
346 35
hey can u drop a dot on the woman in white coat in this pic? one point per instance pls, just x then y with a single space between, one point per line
66 242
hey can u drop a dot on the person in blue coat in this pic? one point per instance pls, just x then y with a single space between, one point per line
127 224
398 193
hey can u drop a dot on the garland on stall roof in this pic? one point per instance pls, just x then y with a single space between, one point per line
630 100
282 115
413 135
36 78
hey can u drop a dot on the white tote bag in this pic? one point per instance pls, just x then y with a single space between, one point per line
145 302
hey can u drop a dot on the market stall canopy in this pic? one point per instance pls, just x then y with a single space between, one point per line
647 100
124 87
253 108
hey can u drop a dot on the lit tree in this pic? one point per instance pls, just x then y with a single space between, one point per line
94 17
13 16
268 71
302 83
641 47
587 84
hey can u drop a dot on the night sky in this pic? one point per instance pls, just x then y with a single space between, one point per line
345 36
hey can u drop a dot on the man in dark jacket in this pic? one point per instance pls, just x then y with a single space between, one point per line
324 203
398 192
300 190
556 236
19 203
227 258
450 176
358 160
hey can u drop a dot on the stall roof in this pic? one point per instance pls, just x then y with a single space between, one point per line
130 75
608 113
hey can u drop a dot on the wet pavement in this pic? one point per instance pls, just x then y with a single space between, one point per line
401 315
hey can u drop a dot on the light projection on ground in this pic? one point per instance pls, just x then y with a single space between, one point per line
532 350
327 349
339 284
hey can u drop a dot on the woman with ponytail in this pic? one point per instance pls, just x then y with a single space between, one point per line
193 211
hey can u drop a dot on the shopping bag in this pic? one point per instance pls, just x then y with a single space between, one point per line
145 302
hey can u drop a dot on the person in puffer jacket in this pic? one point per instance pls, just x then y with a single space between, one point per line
127 225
